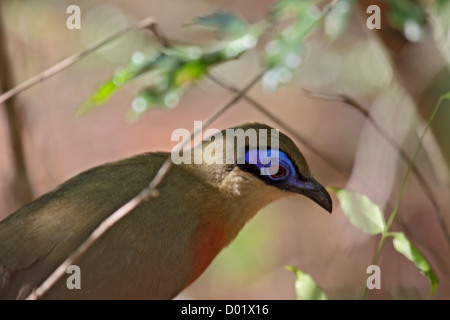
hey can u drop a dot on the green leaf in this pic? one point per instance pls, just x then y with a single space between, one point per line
103 93
305 286
440 4
189 72
170 72
138 64
405 247
361 211
446 96
284 52
226 23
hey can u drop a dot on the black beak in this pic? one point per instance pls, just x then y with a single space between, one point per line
316 192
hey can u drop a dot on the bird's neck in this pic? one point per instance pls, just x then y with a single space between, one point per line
245 197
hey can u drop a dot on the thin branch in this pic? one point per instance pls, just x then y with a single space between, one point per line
394 211
145 23
145 194
159 35
421 179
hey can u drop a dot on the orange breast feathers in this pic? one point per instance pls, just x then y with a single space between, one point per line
207 240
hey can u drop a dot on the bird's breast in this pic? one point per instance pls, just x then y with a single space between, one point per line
207 240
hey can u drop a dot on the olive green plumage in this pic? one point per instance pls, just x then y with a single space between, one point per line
157 249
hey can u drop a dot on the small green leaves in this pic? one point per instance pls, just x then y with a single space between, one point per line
103 93
172 70
226 23
284 52
139 63
189 72
361 211
305 286
170 73
367 216
405 247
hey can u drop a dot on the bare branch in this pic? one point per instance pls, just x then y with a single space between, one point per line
145 23
159 35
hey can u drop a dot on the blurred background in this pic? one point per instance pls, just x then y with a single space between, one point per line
396 73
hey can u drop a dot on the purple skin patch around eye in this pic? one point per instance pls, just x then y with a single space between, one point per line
269 162
285 176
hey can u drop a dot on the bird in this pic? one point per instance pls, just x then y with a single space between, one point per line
165 243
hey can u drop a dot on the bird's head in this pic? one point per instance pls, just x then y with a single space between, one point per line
258 155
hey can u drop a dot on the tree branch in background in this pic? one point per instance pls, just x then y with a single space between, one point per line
20 185
145 23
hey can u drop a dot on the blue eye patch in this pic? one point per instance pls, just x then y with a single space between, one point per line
274 164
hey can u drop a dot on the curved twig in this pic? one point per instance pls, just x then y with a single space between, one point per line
421 179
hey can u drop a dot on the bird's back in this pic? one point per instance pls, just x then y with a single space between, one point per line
131 260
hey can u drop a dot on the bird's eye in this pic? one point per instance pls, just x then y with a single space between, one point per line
281 173
263 163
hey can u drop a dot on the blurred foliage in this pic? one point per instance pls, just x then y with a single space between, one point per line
283 53
408 17
174 69
405 247
226 24
361 211
305 286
